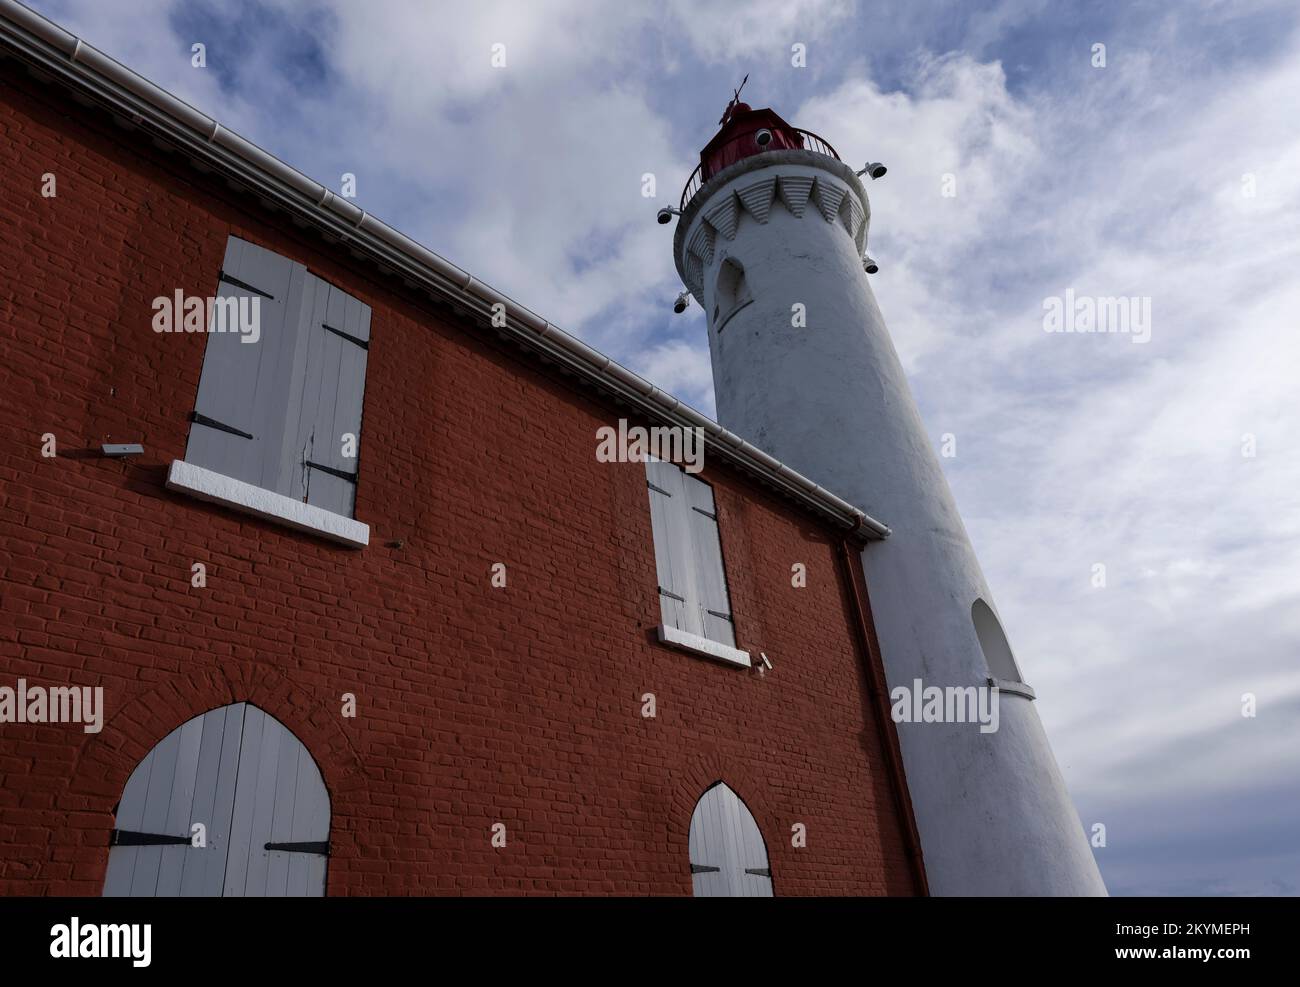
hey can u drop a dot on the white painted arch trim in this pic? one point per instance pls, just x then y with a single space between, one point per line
246 498
696 645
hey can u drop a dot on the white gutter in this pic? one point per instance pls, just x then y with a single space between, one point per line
48 47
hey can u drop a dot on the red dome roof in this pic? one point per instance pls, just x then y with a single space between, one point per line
737 138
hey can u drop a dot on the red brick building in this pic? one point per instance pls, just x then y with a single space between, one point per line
484 713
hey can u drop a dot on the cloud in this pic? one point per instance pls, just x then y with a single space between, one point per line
956 143
727 32
682 369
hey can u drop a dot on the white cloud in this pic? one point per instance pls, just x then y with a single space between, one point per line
958 129
681 369
721 32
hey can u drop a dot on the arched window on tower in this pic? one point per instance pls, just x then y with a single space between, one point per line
732 292
993 642
728 855
257 795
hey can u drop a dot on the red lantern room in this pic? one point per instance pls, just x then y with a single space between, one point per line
746 132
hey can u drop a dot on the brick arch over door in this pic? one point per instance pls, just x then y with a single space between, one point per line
230 804
705 769
728 854
107 759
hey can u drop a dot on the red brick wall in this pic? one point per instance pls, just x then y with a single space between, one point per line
476 705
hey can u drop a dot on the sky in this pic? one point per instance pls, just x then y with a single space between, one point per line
1164 168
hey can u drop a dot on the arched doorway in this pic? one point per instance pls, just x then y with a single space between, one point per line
256 792
728 855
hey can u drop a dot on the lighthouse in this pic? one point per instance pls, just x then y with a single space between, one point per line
771 241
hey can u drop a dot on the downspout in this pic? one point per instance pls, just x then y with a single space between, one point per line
878 692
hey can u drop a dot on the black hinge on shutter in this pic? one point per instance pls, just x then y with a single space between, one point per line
704 869
660 489
670 593
759 871
322 847
350 477
126 837
199 419
364 344
245 285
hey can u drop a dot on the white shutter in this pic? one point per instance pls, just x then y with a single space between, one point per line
238 418
326 403
711 598
281 812
275 413
214 798
688 554
727 853
673 558
256 790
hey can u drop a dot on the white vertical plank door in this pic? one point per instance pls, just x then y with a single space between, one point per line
256 790
727 852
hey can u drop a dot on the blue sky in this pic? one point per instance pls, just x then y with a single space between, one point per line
1172 173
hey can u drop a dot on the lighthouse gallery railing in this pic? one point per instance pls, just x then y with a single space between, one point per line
808 142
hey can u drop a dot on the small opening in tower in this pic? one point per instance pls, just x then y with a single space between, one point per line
732 292
993 642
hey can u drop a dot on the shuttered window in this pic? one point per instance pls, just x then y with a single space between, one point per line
284 413
688 554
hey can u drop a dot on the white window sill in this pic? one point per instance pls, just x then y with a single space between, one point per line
1014 688
206 485
696 645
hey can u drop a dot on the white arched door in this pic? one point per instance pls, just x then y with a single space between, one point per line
253 787
728 855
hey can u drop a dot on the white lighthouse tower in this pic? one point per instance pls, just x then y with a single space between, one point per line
771 241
